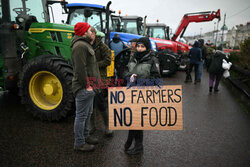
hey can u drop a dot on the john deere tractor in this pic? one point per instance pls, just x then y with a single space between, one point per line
35 54
35 58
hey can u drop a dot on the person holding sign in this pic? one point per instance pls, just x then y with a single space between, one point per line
141 67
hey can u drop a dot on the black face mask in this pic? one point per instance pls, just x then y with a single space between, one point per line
139 55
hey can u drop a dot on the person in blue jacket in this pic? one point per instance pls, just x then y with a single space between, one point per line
195 57
116 44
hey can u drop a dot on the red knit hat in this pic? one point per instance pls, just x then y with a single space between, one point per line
80 28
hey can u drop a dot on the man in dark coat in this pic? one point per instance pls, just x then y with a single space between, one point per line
195 59
103 58
84 66
203 60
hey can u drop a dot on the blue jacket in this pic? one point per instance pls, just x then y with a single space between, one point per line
116 46
195 54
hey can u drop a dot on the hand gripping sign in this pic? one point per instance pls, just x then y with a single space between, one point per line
145 108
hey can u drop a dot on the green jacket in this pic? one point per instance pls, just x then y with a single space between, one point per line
103 56
145 68
84 63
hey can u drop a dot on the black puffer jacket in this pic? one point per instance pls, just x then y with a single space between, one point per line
216 63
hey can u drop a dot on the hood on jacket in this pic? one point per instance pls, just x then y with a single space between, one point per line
196 44
98 40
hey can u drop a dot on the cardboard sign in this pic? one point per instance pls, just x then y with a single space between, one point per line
145 108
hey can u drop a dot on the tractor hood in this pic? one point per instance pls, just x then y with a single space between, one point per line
41 27
165 44
125 37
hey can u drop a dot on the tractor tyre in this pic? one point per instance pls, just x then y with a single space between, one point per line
45 87
121 62
168 62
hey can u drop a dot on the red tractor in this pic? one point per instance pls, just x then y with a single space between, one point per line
155 31
171 52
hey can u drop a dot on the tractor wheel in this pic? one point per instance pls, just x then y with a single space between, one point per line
168 62
45 87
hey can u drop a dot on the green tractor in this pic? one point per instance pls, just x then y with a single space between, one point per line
35 58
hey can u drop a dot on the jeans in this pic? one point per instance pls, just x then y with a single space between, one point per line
84 107
200 69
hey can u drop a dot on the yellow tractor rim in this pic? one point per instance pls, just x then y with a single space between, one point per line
45 90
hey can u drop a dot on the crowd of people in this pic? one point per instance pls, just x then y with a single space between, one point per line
204 55
90 58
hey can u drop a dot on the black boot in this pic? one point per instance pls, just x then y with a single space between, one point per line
129 140
210 89
136 150
138 144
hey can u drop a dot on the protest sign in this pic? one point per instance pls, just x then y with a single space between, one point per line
145 108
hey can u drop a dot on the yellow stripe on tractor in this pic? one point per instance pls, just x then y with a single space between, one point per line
41 30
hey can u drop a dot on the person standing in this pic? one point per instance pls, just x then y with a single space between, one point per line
215 70
195 59
133 43
204 59
141 59
84 66
116 44
103 58
210 53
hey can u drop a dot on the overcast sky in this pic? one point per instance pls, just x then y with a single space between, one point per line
171 12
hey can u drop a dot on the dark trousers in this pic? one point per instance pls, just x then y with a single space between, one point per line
137 135
100 104
189 70
215 77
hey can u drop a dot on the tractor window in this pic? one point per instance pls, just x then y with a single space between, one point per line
129 27
78 16
157 32
34 9
132 28
1 10
111 26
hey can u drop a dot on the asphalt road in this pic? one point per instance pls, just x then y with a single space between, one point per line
216 133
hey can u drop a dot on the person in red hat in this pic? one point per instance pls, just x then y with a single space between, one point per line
84 66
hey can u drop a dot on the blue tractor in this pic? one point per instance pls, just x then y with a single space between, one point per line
100 18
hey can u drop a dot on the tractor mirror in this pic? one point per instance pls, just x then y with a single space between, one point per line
88 12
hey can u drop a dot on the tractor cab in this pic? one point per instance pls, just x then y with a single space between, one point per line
97 16
129 24
157 30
